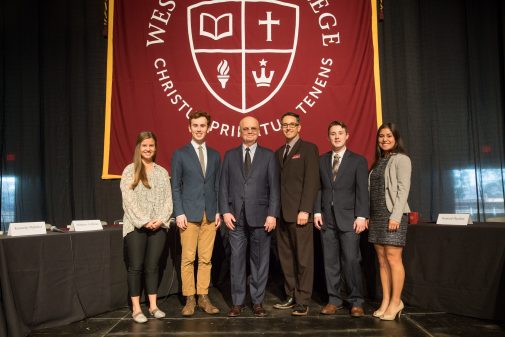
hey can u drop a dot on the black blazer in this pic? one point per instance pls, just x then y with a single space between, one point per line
299 179
348 193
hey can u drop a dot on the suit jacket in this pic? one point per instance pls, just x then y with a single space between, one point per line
258 192
348 193
299 179
192 192
397 185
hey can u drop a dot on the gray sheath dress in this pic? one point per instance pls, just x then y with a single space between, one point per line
378 231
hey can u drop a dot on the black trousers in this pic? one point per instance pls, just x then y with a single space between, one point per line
295 246
144 248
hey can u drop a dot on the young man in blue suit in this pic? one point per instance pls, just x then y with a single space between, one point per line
340 214
195 184
249 202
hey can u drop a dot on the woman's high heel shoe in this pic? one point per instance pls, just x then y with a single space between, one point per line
391 317
378 313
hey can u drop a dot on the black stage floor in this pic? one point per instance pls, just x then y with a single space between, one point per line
413 322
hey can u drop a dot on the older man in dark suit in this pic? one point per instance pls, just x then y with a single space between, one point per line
340 211
249 202
195 185
299 175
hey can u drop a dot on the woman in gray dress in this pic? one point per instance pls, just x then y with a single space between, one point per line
147 205
389 190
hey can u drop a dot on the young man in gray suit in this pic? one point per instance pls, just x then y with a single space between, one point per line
195 184
249 202
340 213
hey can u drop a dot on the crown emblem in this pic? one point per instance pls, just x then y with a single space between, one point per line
263 80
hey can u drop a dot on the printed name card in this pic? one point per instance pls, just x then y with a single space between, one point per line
454 219
85 225
27 228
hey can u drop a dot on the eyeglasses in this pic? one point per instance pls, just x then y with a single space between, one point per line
289 126
253 129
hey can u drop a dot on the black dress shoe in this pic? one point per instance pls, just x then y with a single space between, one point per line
290 302
259 311
235 310
300 310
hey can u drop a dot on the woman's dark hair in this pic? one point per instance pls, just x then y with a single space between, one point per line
398 148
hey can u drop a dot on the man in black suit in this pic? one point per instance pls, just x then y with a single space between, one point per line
249 202
340 211
299 173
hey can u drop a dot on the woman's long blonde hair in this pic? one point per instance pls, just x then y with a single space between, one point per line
138 166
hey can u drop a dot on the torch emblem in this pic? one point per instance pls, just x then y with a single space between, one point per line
223 69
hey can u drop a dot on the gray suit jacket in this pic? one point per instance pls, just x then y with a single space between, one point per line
348 193
192 193
397 185
258 192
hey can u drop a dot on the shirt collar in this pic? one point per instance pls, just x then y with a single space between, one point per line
293 141
252 148
340 153
196 145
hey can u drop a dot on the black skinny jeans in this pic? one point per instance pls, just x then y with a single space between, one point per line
144 248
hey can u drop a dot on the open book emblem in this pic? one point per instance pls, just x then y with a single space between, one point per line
243 50
209 26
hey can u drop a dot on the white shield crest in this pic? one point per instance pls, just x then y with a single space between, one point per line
243 50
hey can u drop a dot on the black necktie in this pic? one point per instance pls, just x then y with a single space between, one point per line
285 153
247 162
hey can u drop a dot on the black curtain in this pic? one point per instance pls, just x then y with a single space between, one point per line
53 89
442 77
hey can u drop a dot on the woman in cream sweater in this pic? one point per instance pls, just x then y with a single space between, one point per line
147 204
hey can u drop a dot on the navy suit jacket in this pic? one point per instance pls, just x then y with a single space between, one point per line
349 191
192 193
258 192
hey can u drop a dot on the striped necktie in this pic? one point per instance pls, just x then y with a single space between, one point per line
334 168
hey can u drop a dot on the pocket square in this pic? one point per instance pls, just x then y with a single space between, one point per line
296 156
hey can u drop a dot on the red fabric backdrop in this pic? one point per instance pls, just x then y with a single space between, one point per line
234 59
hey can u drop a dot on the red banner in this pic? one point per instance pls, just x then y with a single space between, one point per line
237 58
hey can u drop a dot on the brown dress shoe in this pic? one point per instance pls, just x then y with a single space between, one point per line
235 310
259 311
205 304
189 308
330 309
357 312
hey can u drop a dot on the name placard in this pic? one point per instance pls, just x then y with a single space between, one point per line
27 228
85 225
454 219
